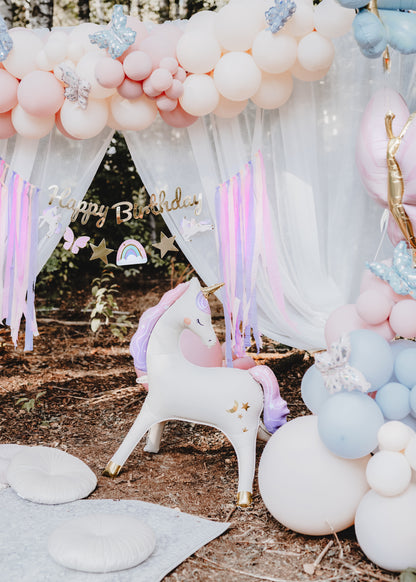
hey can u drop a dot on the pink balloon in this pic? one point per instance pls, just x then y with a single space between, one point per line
403 318
198 353
6 126
170 64
137 65
342 321
130 89
170 31
371 281
141 33
178 117
180 75
8 93
165 104
40 94
161 79
384 329
175 90
109 72
61 128
373 306
149 89
157 47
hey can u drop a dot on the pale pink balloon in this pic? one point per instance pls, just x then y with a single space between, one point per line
403 318
175 90
374 306
141 33
137 65
149 90
109 72
21 60
384 329
6 125
8 92
180 75
40 94
165 104
371 281
170 31
196 352
158 47
61 128
170 64
31 126
161 79
178 117
130 89
342 321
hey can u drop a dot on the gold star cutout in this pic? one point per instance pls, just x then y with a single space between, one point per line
245 429
240 416
245 405
166 244
100 252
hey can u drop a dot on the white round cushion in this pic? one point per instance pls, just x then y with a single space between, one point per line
7 452
48 475
102 542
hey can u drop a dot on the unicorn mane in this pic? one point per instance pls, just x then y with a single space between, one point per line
148 320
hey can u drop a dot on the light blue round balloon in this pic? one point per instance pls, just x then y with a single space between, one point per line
405 367
372 355
348 423
397 346
394 400
313 389
412 401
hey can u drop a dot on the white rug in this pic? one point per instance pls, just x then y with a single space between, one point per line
26 527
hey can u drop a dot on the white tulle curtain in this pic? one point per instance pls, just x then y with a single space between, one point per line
55 160
325 224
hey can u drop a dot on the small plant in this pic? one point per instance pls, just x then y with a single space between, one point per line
29 404
104 308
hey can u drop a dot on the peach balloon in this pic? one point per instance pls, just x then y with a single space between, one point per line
274 53
149 89
302 22
403 318
373 306
169 63
22 58
6 125
158 47
244 363
180 75
200 95
31 126
56 47
274 90
333 20
84 123
8 94
61 128
315 52
164 103
130 89
40 94
161 79
137 65
198 52
85 69
303 74
203 20
134 114
237 76
236 25
227 109
175 90
178 117
42 61
109 72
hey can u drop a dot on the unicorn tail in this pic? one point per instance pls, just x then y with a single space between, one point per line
275 408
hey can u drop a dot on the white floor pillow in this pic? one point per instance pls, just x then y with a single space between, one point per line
102 542
48 475
7 452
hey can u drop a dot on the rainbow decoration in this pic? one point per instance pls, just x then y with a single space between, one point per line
130 252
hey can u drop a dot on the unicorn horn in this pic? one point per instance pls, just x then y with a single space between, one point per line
206 291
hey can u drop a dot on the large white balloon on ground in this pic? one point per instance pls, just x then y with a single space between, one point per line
305 486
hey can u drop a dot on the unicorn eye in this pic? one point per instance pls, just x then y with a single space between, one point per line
200 322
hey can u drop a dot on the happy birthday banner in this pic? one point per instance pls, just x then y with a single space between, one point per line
18 246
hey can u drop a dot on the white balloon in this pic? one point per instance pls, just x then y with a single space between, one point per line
75 51
237 24
315 52
56 47
410 452
237 76
200 95
84 123
227 109
80 35
305 75
85 69
302 22
134 114
21 60
388 473
305 486
394 436
198 52
31 126
42 61
204 20
274 53
386 529
274 90
333 20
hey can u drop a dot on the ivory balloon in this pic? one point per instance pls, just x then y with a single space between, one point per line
84 123
305 486
302 22
236 25
198 52
237 76
200 95
42 61
303 74
56 47
21 60
394 436
386 529
388 473
274 90
204 20
274 53
134 114
86 70
31 126
227 109
333 20
315 52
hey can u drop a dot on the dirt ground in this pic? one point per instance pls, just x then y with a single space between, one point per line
87 401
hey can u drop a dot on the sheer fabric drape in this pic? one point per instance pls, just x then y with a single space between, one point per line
325 224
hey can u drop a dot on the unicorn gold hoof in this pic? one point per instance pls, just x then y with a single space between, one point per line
111 470
244 499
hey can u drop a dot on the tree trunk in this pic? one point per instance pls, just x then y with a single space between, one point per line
84 10
41 14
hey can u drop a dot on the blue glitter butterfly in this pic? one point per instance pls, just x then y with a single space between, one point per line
279 14
6 42
118 37
401 276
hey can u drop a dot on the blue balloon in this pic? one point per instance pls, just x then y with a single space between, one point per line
314 392
405 367
348 423
370 34
371 354
394 400
412 400
397 346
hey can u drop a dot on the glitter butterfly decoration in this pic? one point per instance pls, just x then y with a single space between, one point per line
279 14
401 276
71 243
78 90
336 371
6 42
118 37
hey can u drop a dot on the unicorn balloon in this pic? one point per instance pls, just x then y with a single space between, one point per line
228 399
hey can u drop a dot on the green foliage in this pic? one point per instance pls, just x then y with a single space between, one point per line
59 273
29 404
